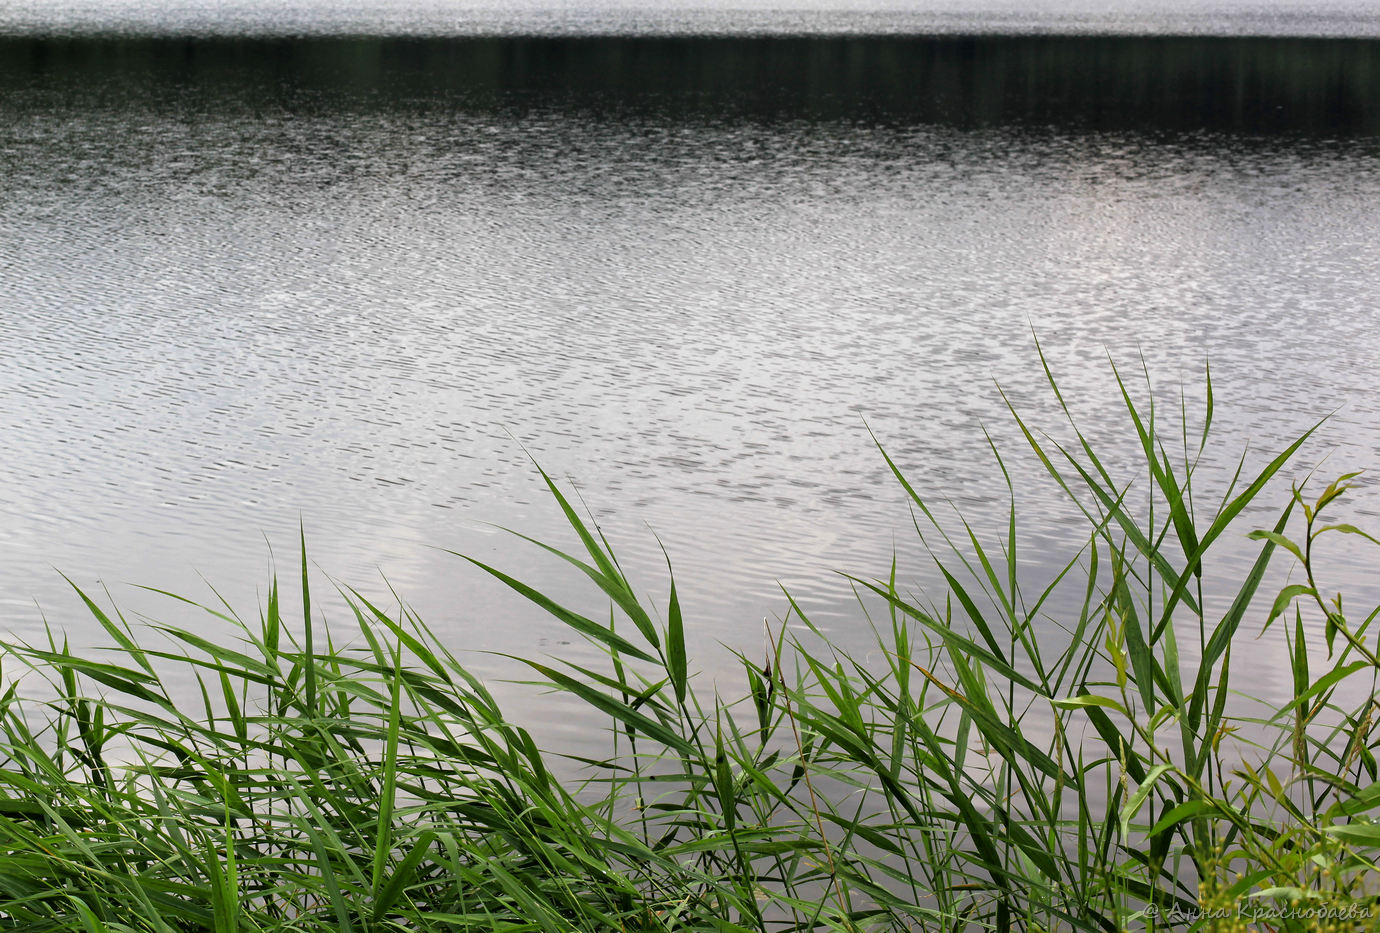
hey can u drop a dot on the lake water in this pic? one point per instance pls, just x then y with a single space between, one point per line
361 279
689 17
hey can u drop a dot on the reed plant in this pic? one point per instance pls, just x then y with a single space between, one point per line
1016 759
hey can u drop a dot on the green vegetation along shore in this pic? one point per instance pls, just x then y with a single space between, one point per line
290 775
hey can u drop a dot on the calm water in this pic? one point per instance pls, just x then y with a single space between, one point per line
354 282
695 17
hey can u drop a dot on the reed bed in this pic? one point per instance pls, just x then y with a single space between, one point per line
355 776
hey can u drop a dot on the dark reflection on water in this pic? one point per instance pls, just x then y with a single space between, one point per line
1277 84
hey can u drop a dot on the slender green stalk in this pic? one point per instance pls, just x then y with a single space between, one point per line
1014 758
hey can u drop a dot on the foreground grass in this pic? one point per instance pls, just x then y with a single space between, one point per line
357 777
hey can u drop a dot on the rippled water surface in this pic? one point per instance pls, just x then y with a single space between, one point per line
695 17
359 285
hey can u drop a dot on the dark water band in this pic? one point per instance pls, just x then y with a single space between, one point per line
1267 85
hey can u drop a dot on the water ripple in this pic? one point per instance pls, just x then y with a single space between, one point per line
217 324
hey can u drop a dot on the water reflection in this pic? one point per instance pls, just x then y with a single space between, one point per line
1263 84
247 282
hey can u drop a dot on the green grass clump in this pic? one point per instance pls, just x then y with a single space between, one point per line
291 776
